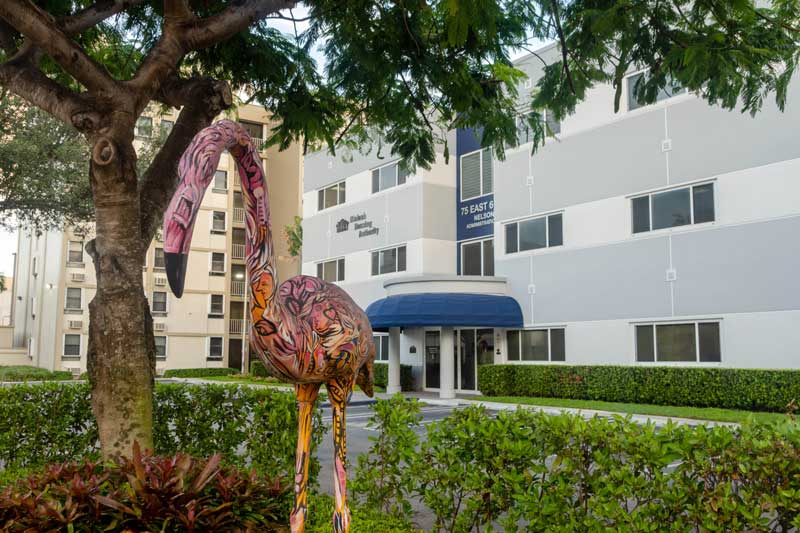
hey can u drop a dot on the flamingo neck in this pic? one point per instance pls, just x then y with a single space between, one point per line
262 273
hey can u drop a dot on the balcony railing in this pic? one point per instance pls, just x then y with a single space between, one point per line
236 326
260 144
238 215
237 288
237 251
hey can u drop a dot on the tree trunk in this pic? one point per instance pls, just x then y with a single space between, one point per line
121 355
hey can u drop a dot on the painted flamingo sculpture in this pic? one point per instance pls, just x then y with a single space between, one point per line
306 331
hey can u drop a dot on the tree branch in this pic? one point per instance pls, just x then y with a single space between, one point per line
180 38
94 15
202 100
30 83
38 26
563 41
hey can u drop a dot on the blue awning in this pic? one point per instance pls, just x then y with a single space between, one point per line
445 309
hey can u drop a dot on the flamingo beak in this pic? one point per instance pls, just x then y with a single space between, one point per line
175 265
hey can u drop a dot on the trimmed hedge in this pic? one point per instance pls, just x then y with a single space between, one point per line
729 388
32 373
199 372
250 426
381 371
258 370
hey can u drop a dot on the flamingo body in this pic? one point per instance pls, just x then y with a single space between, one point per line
305 330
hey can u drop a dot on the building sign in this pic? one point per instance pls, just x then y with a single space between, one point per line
476 217
361 225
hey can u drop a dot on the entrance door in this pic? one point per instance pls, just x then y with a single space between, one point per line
475 348
235 354
432 359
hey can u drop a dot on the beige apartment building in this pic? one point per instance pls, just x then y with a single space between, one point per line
55 280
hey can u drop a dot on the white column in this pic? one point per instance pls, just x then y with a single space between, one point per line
448 364
393 384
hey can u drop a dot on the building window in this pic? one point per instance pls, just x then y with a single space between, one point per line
215 348
217 305
218 222
158 258
525 132
331 270
389 260
73 301
161 347
217 263
159 302
75 252
536 345
144 127
673 208
253 128
690 342
477 258
389 176
72 345
221 180
166 125
535 233
331 196
381 347
476 174
636 87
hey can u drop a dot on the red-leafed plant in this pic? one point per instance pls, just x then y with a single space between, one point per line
146 493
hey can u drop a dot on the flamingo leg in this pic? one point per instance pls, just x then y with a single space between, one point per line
339 392
306 396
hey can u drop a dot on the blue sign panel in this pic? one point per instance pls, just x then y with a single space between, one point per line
476 218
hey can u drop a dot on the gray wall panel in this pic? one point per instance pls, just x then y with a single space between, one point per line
405 208
625 280
707 141
512 194
321 168
617 159
517 271
738 269
366 292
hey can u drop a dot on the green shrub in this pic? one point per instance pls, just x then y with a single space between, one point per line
382 480
167 494
526 470
363 518
199 372
249 426
729 388
258 370
32 373
381 371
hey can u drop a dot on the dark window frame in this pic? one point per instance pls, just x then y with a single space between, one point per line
692 207
562 357
699 356
514 228
482 242
375 260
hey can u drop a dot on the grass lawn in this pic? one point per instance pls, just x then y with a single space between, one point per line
701 413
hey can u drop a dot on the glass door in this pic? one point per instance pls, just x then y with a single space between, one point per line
475 348
432 360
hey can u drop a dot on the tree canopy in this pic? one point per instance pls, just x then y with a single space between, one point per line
415 69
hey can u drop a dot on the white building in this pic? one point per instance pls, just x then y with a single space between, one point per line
664 234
